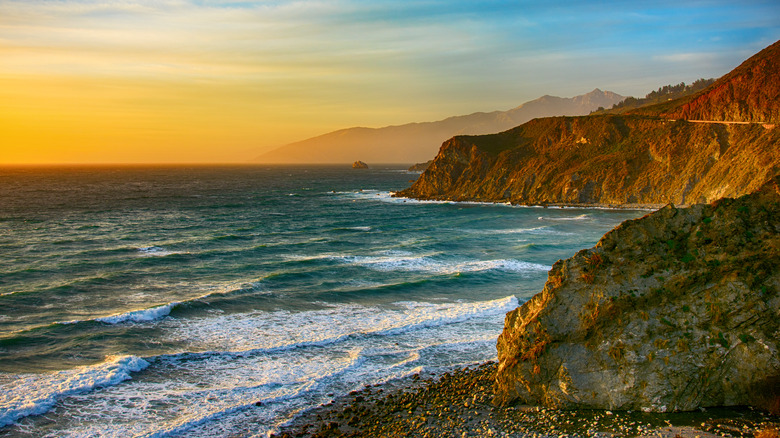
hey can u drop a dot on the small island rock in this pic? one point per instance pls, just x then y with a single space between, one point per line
359 165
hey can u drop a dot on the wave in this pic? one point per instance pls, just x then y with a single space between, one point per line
247 334
139 316
581 217
425 263
36 394
155 251
242 398
146 315
543 231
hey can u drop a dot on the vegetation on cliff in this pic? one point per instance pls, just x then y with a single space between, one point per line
662 95
673 311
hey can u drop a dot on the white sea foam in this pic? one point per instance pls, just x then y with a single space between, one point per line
544 230
138 316
581 217
256 332
35 394
431 264
285 360
155 251
204 396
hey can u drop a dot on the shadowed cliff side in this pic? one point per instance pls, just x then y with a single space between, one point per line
673 311
650 156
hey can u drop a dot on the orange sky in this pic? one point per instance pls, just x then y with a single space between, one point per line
165 81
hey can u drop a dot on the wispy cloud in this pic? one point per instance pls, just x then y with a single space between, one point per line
319 64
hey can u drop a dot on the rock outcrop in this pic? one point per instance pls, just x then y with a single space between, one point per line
649 157
420 167
674 311
359 165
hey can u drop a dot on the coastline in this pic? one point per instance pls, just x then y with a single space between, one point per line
593 206
459 403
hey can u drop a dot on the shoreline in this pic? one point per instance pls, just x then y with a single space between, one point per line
562 206
458 403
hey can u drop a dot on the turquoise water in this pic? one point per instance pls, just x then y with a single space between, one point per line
220 301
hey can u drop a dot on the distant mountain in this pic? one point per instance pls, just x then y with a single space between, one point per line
720 142
419 142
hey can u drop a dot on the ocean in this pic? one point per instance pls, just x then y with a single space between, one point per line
220 301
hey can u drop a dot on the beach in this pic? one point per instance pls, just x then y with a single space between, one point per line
459 403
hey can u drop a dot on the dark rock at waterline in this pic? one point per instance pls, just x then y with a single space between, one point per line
359 165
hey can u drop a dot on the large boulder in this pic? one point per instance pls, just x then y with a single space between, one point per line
674 311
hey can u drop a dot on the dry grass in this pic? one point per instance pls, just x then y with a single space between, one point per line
595 260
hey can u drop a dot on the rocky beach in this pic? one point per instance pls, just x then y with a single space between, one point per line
459 403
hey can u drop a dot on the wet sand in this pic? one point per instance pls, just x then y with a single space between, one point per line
459 404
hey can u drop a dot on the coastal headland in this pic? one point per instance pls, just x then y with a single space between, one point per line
667 327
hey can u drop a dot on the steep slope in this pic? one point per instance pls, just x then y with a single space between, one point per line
749 93
674 311
648 156
612 160
417 142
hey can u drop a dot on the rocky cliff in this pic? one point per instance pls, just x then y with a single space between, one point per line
749 93
673 311
651 156
614 160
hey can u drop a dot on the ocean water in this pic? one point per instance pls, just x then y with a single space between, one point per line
221 301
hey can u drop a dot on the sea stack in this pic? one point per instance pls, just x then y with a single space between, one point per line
674 311
359 165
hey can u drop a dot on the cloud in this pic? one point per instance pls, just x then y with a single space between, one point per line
329 64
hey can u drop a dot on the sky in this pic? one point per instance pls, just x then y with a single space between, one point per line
196 81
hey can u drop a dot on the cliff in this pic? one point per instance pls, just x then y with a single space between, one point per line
418 142
673 311
649 156
611 160
749 93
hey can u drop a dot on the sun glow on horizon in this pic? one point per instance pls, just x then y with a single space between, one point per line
182 81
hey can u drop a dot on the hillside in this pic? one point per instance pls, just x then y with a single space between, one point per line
418 142
649 156
662 95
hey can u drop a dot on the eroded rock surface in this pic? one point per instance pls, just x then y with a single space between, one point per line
673 311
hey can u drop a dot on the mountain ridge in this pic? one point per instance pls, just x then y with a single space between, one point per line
650 156
418 141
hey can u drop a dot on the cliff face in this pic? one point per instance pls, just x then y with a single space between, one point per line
603 160
651 156
673 311
749 93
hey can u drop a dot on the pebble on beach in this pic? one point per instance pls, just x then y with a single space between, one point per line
459 404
